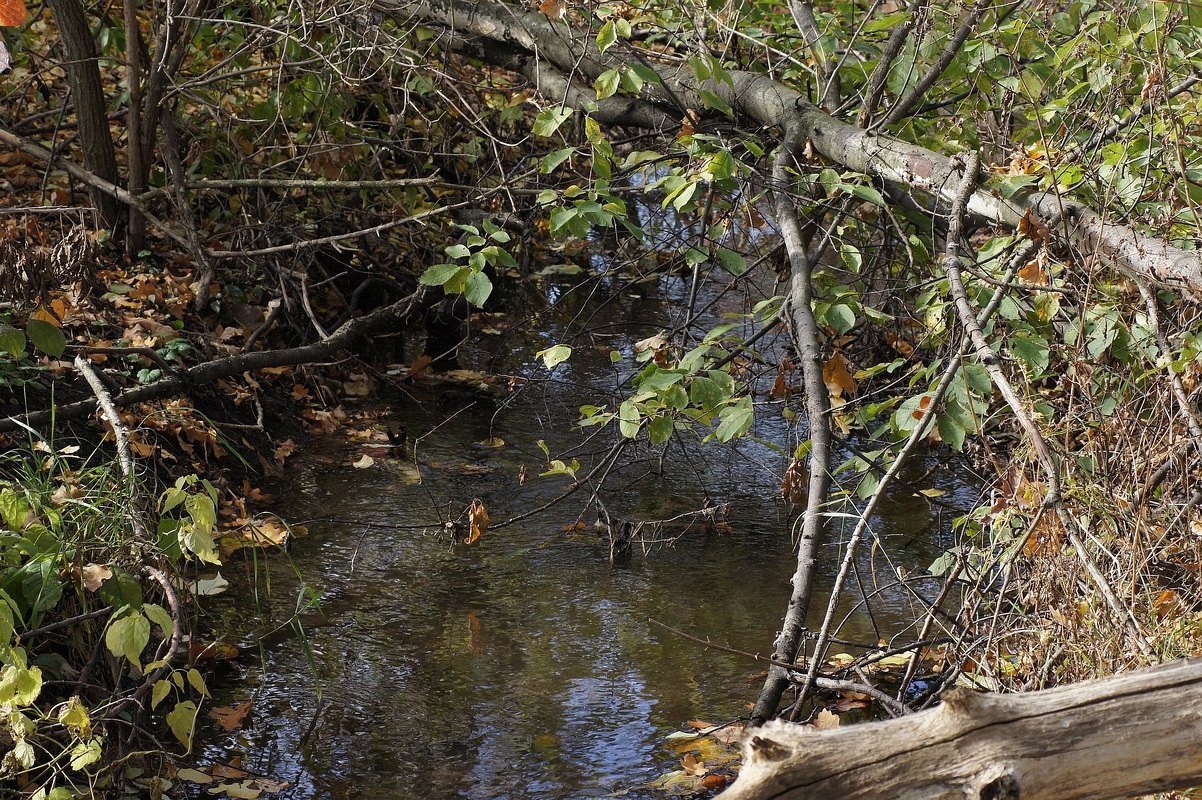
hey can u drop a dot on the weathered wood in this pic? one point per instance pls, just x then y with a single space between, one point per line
1133 734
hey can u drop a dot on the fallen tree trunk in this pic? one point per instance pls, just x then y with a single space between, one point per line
507 32
1129 735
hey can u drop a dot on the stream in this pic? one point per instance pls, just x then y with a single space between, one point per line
523 665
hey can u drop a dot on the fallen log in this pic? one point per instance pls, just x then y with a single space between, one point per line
1133 734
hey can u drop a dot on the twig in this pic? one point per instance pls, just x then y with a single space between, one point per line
876 82
63 623
91 179
110 415
898 709
121 435
902 108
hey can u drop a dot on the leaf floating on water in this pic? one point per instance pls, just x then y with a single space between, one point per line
364 462
193 776
493 442
231 718
209 586
478 521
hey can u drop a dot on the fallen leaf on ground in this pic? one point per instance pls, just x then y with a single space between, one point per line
94 575
826 720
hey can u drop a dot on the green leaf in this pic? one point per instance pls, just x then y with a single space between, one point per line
707 394
660 429
549 120
122 589
478 288
458 251
159 616
629 419
198 682
607 83
159 693
85 753
607 36
12 341
840 317
128 637
46 337
735 420
1031 350
440 274
182 721
731 261
556 157
554 356
950 432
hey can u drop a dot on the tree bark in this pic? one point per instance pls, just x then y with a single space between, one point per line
91 112
1130 735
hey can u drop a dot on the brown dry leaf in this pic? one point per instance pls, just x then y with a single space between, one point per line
94 575
1165 602
231 771
1033 272
523 476
826 720
699 724
12 13
286 448
1046 536
658 346
712 783
554 9
212 651
230 718
731 734
692 766
795 487
780 387
837 376
478 521
1031 227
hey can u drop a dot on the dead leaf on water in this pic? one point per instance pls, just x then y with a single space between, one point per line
231 718
364 462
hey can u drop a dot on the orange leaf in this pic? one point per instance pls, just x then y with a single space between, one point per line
478 521
231 717
12 13
554 9
837 377
692 766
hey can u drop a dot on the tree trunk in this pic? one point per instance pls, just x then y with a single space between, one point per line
1130 735
91 112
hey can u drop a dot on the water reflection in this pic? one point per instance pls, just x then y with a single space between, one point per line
523 666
